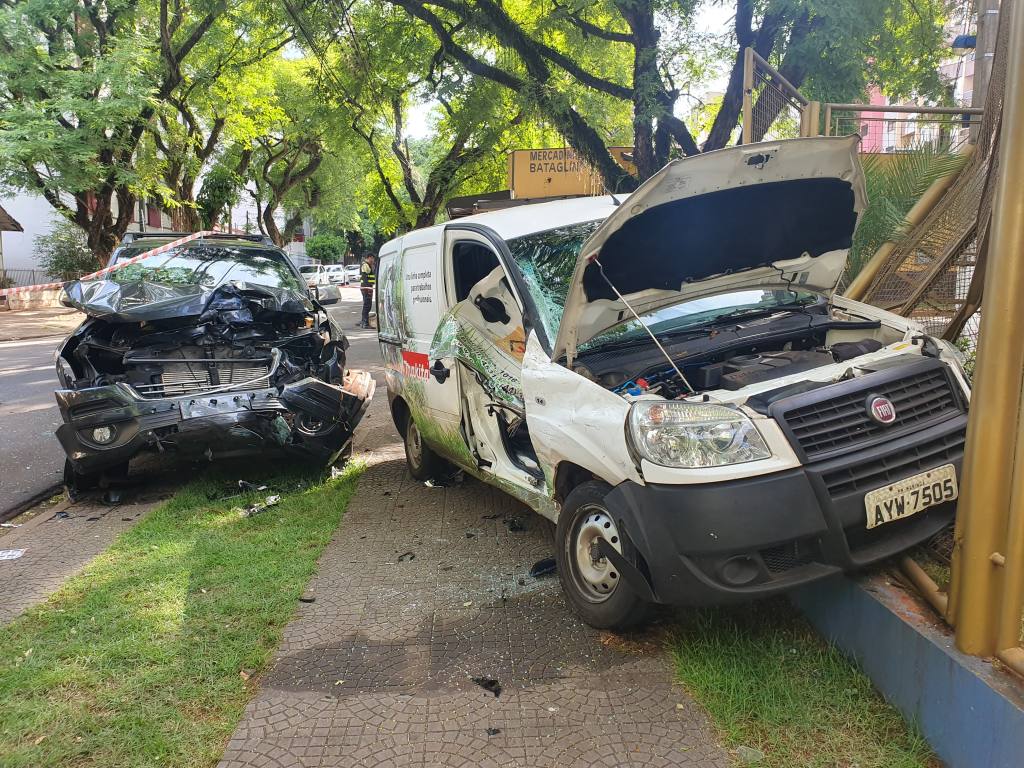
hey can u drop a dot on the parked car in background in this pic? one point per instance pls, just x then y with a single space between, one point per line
352 274
213 349
670 377
318 279
336 274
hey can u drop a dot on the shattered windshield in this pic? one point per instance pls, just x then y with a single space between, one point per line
209 266
547 261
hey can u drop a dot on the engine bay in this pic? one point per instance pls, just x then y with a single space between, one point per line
730 357
238 340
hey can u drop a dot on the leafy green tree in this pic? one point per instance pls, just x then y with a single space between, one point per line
80 84
551 60
327 248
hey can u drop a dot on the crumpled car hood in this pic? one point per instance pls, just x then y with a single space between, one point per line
145 300
771 215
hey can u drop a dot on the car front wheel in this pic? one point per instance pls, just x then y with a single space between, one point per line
593 586
423 463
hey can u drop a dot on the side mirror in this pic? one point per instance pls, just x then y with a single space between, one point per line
492 309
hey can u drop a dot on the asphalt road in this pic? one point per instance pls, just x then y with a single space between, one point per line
31 459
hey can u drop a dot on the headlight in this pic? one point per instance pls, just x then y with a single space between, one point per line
694 435
103 435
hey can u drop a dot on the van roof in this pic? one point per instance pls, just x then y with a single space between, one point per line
535 217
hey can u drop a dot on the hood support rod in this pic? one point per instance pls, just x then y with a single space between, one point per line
643 325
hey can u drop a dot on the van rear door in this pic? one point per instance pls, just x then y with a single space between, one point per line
412 302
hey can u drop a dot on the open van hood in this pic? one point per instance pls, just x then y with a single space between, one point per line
774 214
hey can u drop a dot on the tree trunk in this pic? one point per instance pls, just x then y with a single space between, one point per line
763 42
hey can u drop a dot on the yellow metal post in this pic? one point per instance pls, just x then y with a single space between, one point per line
989 549
828 119
748 94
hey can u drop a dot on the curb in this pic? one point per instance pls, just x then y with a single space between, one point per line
30 502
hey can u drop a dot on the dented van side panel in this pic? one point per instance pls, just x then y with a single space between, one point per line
575 420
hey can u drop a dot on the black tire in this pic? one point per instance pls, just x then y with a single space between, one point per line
605 600
423 463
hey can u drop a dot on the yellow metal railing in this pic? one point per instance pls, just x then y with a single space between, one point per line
772 106
987 587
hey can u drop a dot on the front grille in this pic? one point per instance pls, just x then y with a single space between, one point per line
194 377
785 557
889 468
829 427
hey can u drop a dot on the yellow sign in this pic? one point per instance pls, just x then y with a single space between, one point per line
558 172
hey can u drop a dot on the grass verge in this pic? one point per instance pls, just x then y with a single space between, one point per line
769 682
148 657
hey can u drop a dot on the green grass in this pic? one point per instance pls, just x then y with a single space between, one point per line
769 682
148 657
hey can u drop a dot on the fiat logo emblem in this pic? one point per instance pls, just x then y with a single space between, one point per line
881 409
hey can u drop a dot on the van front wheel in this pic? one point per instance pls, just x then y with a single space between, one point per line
592 585
423 463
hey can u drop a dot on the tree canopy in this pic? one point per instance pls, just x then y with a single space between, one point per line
306 107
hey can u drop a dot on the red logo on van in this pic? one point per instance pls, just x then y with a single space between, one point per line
881 410
415 364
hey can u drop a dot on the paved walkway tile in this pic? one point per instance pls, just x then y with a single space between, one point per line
56 545
421 591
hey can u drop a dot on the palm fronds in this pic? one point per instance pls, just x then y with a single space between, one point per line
894 183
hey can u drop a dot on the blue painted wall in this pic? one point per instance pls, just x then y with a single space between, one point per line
971 714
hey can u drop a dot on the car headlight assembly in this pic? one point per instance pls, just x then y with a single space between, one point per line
694 435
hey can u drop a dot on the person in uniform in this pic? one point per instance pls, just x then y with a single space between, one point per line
367 282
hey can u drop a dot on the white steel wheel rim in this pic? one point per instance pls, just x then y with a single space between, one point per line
414 444
596 575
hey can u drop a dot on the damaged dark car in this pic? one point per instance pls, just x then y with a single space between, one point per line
212 349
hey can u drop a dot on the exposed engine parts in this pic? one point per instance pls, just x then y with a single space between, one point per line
240 367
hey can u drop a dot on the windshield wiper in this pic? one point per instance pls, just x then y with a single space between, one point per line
750 312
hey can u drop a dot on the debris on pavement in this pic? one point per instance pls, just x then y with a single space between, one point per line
405 557
10 525
307 599
11 554
493 731
749 755
257 507
543 567
113 496
489 684
515 524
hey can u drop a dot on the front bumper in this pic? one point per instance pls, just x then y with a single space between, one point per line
308 417
725 542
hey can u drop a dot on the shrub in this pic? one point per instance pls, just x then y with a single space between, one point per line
63 252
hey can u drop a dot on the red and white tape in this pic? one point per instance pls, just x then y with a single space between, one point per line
107 270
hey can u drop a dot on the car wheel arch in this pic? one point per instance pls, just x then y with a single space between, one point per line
569 475
400 413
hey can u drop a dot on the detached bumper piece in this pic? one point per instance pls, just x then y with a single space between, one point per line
106 426
727 542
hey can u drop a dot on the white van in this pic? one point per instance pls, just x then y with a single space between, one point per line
669 377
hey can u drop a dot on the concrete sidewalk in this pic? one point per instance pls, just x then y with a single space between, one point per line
21 324
423 595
